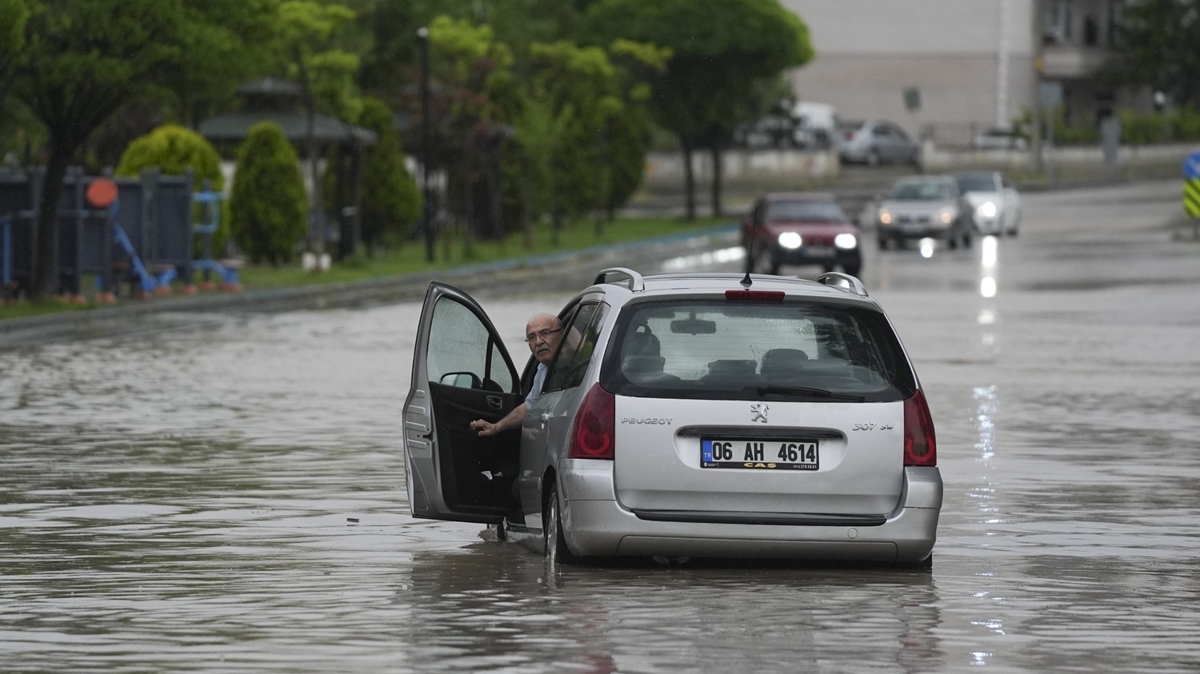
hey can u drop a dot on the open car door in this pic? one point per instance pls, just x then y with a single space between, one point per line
461 372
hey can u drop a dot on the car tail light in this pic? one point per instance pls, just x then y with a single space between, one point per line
920 446
755 295
595 426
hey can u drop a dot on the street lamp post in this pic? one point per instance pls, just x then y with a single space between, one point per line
426 146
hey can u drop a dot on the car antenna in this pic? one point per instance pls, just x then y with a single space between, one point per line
746 282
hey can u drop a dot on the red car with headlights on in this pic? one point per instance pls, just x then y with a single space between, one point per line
800 228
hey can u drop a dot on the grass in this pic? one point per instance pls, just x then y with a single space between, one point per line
451 251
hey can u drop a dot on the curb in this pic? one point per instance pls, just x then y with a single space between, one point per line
502 275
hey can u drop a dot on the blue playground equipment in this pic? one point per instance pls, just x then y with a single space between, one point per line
212 207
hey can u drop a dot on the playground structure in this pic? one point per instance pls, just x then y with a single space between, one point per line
132 232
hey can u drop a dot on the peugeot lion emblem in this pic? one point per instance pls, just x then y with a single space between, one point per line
758 412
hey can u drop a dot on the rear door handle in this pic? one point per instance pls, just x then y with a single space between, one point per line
545 417
495 402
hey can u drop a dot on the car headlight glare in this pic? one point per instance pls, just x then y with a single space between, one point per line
790 240
946 216
987 209
885 218
845 241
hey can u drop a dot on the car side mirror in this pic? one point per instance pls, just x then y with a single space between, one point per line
462 380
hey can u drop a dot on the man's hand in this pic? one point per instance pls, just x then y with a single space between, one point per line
510 420
484 428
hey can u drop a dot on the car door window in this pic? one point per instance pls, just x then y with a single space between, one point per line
575 351
462 353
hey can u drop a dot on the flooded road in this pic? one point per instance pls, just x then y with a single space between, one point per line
225 493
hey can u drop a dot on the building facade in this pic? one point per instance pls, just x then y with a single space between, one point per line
973 63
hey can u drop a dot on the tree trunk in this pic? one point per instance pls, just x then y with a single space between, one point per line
44 279
689 181
716 180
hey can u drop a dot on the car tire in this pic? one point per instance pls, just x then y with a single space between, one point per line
556 549
923 565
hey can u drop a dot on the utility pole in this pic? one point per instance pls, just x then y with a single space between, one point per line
1038 11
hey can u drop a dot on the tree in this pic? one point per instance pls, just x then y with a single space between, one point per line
81 61
174 150
267 203
720 50
222 47
13 16
1156 47
391 201
306 30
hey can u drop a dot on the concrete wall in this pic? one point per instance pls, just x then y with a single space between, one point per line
972 60
665 169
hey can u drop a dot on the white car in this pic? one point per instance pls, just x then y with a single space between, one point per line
685 415
995 204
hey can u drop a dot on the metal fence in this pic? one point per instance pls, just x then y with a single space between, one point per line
153 212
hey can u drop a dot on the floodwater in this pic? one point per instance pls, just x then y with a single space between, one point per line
225 493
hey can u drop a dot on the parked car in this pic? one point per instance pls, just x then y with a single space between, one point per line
876 142
772 131
800 228
685 415
816 125
999 138
995 203
924 206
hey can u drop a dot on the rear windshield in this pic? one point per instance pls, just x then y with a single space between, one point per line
922 191
756 351
804 211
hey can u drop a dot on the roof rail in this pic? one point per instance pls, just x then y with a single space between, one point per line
636 284
845 281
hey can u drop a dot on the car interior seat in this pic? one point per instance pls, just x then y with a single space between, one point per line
783 365
640 357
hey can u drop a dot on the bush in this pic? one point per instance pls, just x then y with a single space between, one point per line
391 201
268 206
174 150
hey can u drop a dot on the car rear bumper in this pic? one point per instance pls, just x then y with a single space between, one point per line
596 524
901 233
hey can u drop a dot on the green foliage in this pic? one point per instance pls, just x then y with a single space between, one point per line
1180 124
175 150
721 51
391 201
13 16
222 48
1156 47
267 203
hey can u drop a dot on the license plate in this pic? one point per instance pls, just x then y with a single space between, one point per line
760 454
818 251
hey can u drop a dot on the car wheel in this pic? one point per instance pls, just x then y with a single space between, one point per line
923 565
557 551
873 158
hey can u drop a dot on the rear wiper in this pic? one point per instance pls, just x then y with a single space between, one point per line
807 391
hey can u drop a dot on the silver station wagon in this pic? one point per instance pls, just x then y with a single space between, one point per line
685 415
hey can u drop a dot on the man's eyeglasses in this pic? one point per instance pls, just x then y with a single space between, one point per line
543 334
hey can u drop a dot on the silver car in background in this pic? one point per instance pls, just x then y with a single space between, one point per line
924 207
876 142
685 415
995 204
